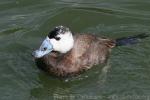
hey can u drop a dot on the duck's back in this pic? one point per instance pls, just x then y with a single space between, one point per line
88 50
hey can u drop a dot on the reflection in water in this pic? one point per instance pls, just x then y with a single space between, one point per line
57 88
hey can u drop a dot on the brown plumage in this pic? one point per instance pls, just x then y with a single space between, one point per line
63 54
88 50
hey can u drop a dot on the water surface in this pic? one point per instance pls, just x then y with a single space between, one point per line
25 23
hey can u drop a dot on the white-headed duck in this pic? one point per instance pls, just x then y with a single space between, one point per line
64 54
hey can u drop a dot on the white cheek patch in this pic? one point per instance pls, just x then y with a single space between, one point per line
65 43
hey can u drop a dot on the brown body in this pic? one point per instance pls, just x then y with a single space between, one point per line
88 50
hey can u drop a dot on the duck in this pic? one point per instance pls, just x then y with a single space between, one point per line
63 53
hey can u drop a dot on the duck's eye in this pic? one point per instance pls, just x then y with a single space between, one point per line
57 38
45 48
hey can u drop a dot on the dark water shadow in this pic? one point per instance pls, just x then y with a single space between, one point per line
52 87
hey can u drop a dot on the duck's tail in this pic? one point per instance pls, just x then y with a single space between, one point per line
130 39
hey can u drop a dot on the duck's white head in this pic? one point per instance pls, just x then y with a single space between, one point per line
60 39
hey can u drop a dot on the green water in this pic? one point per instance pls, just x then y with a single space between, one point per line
25 23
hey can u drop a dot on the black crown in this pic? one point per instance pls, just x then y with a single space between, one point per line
57 30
